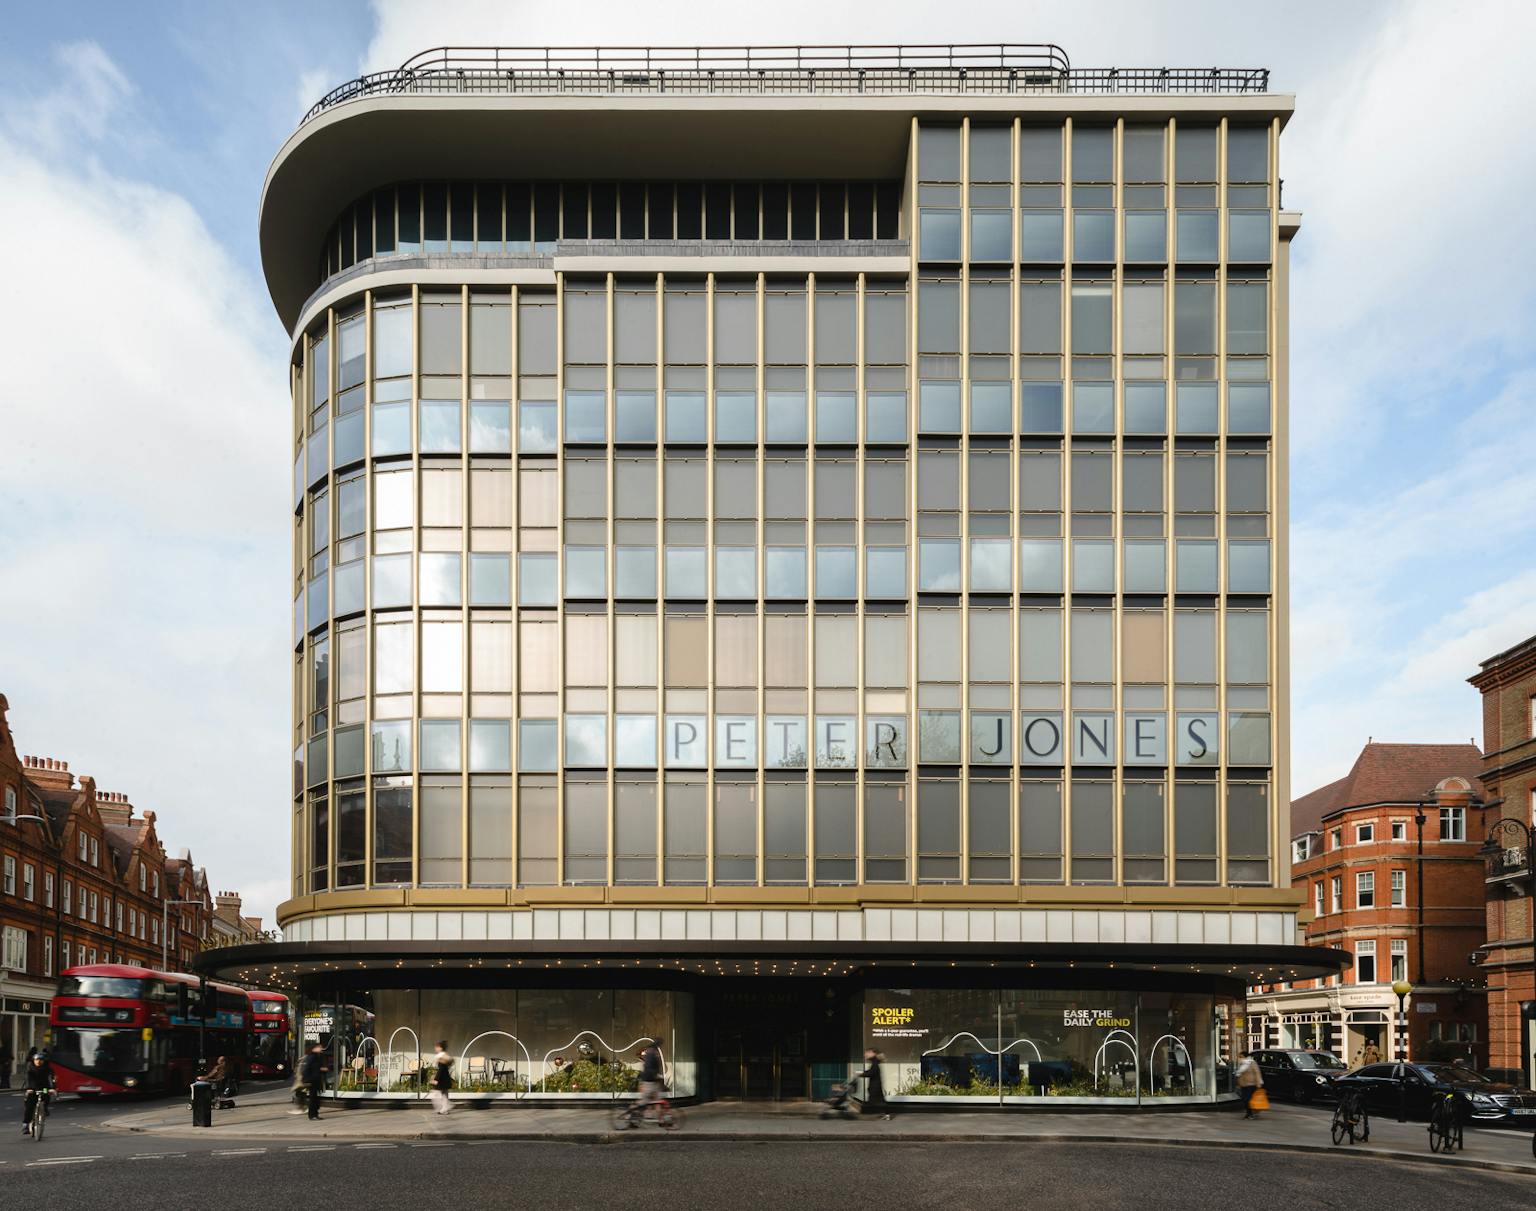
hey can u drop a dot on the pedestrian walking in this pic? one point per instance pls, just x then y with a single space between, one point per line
874 1084
1249 1080
442 1077
312 1078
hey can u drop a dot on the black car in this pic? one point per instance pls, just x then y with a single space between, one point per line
1415 1086
1299 1075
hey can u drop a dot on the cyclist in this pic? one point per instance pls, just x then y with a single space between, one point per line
650 1077
37 1082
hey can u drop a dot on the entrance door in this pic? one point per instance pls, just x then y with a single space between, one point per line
765 1036
761 1063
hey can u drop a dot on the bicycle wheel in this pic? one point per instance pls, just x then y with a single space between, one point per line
1339 1128
669 1117
622 1118
39 1120
1362 1130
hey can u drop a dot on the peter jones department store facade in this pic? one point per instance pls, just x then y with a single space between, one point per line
789 556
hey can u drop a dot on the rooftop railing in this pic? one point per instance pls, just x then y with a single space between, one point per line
980 68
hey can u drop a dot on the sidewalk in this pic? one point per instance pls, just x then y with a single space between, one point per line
265 1114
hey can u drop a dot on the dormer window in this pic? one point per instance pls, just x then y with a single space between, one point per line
95 853
83 847
1301 849
143 877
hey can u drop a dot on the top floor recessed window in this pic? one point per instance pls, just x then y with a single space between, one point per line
1365 834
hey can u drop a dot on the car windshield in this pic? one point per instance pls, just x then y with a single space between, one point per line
1453 1072
1317 1059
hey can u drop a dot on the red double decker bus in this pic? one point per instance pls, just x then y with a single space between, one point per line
271 1049
122 1029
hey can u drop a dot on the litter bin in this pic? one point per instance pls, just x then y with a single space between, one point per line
202 1104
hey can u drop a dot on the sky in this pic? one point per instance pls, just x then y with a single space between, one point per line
144 465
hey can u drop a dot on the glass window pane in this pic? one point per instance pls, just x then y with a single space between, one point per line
440 575
992 235
536 580
586 417
535 428
938 565
1040 236
634 416
835 572
938 234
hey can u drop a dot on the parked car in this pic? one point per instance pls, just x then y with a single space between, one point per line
1300 1075
1415 1086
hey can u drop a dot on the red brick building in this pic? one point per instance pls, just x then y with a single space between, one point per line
1508 685
86 880
1388 860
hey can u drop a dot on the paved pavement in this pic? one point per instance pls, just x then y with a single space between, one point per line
266 1117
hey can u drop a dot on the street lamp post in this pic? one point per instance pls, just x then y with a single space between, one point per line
1402 988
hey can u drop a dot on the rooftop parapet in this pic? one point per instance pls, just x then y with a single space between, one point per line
976 68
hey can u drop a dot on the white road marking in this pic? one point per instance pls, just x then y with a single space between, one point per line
240 1152
155 1156
442 1144
375 1145
64 1160
313 1148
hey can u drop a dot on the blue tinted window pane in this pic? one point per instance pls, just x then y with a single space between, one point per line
635 572
349 587
1145 567
439 426
1040 565
586 572
686 572
349 438
885 416
1247 407
991 235
1040 235
440 744
938 406
885 572
1146 235
735 573
392 428
1248 235
440 579
1194 566
319 453
536 580
836 417
686 418
317 604
391 581
586 740
938 565
584 419
835 572
1040 408
1197 235
536 740
1146 408
939 233
1248 567
1093 235
990 570
1196 407
1093 566
490 580
786 417
392 747
535 428
490 427
635 416
991 407
490 746
634 741
785 570
735 416
1093 408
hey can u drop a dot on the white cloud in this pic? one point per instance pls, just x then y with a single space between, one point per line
142 631
96 91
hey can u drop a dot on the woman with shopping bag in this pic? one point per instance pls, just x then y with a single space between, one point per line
1250 1086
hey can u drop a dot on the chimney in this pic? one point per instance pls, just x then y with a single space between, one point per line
228 899
48 773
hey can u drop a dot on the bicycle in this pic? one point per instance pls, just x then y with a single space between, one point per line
628 1115
40 1114
1351 1118
1445 1125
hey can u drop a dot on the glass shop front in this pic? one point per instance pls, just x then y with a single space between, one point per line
1053 1046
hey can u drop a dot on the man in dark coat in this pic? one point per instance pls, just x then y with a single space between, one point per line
312 1077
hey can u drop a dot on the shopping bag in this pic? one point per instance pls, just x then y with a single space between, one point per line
1259 1100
